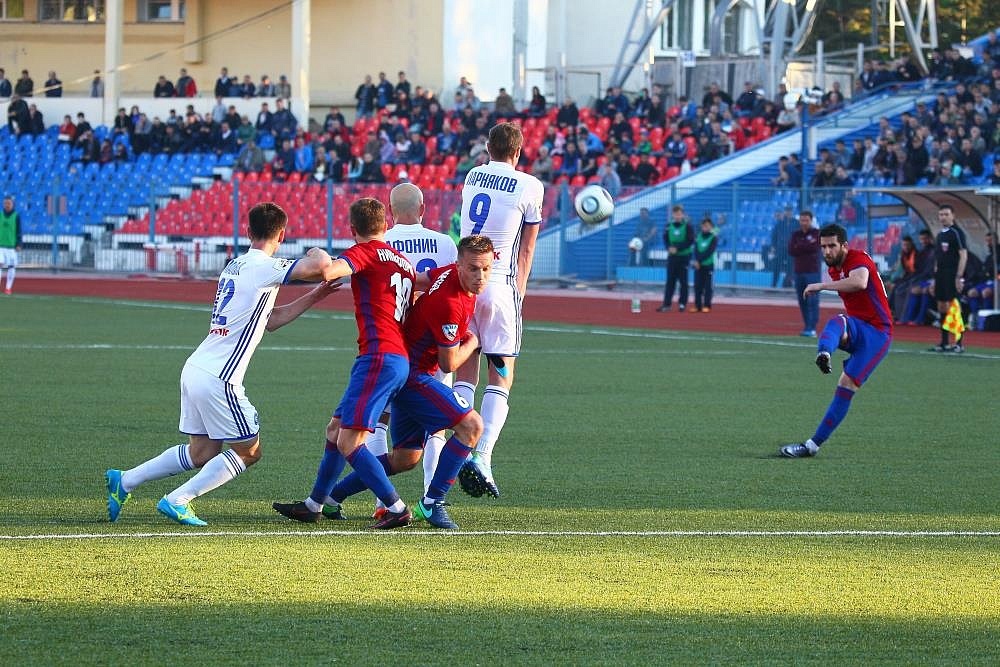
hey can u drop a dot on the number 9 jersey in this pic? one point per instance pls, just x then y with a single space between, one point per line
497 201
244 299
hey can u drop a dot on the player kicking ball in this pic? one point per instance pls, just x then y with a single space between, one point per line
437 336
215 411
865 332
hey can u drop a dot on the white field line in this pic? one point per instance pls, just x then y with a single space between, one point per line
515 533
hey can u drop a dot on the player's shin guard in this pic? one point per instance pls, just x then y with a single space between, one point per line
494 413
432 452
835 414
371 472
467 391
834 330
330 467
453 455
219 470
378 441
170 462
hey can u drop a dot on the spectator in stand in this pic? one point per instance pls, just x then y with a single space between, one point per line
568 114
186 86
173 140
788 119
123 123
119 153
609 178
471 101
922 282
284 159
841 179
916 161
402 85
97 85
403 107
788 176
265 120
969 160
90 149
646 172
164 88
503 106
387 149
384 92
588 163
18 119
994 178
706 152
432 119
250 158
36 122
24 86
106 153
218 111
305 156
283 88
571 163
335 116
225 142
6 90
265 88
748 101
223 83
67 130
537 107
141 131
371 172
447 140
656 112
641 104
417 153
247 89
365 96
283 123
714 92
53 86
542 167
643 146
675 150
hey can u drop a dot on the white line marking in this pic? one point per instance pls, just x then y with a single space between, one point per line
517 533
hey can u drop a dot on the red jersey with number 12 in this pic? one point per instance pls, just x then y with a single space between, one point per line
440 318
382 285
870 304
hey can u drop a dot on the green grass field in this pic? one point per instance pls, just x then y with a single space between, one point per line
645 518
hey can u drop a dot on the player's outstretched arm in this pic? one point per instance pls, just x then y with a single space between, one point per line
312 267
282 315
856 281
450 358
525 254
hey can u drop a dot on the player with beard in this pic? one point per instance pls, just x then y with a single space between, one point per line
865 331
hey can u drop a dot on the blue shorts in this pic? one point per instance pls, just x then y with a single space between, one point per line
867 347
375 380
424 406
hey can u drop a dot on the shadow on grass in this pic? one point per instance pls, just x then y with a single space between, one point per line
466 632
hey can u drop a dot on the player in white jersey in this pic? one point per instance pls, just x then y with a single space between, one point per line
215 411
505 205
426 249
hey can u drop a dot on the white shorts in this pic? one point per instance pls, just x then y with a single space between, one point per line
497 320
8 257
215 408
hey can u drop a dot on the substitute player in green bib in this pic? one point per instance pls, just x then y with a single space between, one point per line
10 241
704 266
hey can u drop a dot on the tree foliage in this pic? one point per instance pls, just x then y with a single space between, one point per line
841 24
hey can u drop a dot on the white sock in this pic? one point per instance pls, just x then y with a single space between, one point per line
397 507
377 442
315 506
432 451
494 412
811 446
10 277
467 391
219 470
172 461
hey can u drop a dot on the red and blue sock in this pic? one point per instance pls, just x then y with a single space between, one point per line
330 467
835 414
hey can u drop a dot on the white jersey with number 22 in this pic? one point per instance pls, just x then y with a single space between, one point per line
497 201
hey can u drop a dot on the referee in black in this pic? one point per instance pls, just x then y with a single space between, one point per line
950 255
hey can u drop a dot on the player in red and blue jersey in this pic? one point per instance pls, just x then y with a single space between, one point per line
382 285
437 336
865 331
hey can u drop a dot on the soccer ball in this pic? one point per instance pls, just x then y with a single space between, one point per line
635 244
594 204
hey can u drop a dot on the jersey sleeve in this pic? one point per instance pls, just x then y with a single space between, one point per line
273 272
356 257
444 319
534 192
